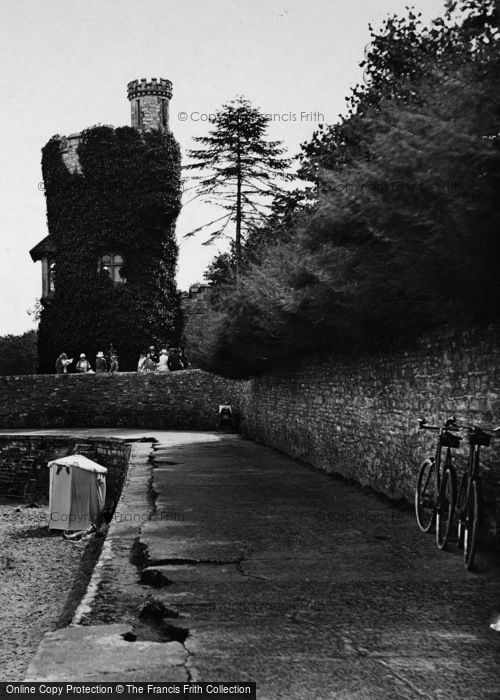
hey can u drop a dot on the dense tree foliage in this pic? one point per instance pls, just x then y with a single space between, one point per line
125 200
403 231
400 58
18 354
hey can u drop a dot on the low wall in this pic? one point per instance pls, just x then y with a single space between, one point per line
186 399
23 463
358 415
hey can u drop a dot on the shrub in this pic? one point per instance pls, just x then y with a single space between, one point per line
18 353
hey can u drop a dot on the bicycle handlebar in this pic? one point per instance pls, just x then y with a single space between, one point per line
449 424
479 430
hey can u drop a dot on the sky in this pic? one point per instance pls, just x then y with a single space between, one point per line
65 65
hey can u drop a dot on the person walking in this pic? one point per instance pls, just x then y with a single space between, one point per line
113 365
83 365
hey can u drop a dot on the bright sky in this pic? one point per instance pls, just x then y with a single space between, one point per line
65 66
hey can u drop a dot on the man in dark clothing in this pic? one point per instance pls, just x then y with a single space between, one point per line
101 365
153 354
185 362
62 363
174 360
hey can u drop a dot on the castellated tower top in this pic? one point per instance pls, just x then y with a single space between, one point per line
138 88
150 103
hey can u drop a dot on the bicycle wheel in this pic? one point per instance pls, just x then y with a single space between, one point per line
425 495
471 525
446 507
461 503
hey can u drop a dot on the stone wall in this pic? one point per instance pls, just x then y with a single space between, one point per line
23 459
186 400
354 415
358 415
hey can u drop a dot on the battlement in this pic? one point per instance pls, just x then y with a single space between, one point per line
139 88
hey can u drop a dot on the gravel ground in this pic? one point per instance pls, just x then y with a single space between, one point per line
42 579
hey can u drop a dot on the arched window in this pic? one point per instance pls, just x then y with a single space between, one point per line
111 263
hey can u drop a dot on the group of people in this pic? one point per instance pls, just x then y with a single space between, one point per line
169 360
103 364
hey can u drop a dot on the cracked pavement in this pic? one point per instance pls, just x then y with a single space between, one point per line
241 564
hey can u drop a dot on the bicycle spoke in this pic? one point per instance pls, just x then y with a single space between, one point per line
445 508
471 525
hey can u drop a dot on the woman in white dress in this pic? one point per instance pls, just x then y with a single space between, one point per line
163 361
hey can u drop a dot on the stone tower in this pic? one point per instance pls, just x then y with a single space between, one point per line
150 103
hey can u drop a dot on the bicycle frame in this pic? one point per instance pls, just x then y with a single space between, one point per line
431 471
473 465
470 490
446 440
477 439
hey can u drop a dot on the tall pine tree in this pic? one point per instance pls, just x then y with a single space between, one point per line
238 170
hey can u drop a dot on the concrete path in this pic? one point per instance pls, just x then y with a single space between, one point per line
228 561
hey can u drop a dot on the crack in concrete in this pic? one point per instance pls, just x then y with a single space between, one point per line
405 681
196 561
152 495
242 571
191 561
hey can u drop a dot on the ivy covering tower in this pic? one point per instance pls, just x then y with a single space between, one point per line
109 261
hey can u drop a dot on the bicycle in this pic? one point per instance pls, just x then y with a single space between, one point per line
429 506
467 507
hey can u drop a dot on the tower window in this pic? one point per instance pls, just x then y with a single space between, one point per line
111 264
138 114
164 113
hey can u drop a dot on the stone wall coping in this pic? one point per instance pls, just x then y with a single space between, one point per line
99 376
72 434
